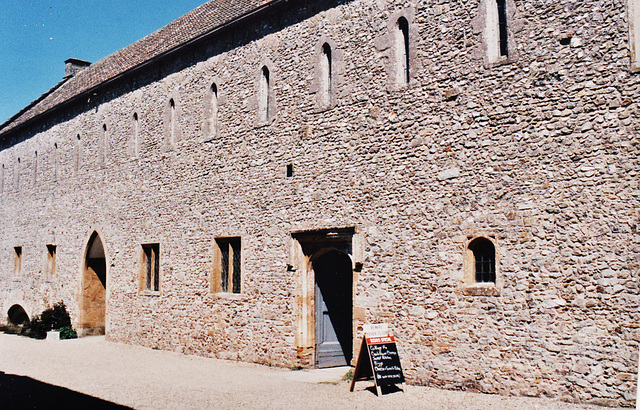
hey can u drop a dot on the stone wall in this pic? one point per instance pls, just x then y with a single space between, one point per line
538 152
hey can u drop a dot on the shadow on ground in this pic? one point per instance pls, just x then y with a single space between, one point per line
21 392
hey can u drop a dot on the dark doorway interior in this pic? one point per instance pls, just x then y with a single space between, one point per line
94 289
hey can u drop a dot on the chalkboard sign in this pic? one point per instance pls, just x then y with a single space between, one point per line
378 360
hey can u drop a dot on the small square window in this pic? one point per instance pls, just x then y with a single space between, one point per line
151 267
228 265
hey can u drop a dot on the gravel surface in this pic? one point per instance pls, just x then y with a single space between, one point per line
143 378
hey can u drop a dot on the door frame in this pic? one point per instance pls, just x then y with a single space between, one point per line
306 246
83 331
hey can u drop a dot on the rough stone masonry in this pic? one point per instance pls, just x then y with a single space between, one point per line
518 125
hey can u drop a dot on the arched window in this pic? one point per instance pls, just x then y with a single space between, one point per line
326 73
78 153
213 110
484 255
264 97
105 143
172 121
136 135
402 50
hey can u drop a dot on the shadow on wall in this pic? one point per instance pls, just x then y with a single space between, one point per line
20 392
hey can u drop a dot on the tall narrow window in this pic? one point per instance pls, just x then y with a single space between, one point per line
136 135
172 121
264 97
402 50
77 155
327 73
18 175
17 260
2 180
502 27
229 264
633 19
211 112
50 269
151 266
105 143
35 168
55 162
484 255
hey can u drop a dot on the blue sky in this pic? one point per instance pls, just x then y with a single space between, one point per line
37 36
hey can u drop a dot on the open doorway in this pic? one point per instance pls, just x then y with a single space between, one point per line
93 294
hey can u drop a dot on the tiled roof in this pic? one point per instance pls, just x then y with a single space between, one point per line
191 26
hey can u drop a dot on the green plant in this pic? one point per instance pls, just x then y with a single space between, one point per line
53 318
67 332
348 376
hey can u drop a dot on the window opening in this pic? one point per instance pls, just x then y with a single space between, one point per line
17 261
214 109
35 167
230 264
18 175
327 74
484 255
2 180
55 162
265 113
77 156
172 121
502 27
51 261
403 50
104 143
136 135
152 266
289 170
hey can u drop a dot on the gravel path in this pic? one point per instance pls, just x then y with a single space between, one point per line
143 378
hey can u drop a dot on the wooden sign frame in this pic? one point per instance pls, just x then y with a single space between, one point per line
365 368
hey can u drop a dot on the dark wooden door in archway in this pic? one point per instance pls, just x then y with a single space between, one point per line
333 308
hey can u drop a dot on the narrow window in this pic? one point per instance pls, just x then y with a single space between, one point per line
55 162
18 175
77 157
402 50
229 264
502 27
633 18
50 269
289 170
151 266
35 168
484 255
213 113
172 122
326 73
105 143
2 180
264 97
17 260
136 135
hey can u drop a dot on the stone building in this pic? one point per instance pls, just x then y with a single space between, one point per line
258 179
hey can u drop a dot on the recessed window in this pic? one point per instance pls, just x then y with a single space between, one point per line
228 265
633 19
105 143
55 162
18 169
402 51
172 121
502 27
496 32
151 266
50 269
17 260
289 170
484 256
77 155
264 97
35 168
2 180
213 110
136 135
326 73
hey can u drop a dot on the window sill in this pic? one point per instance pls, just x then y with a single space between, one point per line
150 293
481 289
229 296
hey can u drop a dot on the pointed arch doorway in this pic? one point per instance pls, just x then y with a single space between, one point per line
93 292
323 259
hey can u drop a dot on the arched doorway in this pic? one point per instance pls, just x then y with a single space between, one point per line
333 308
93 294
17 315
